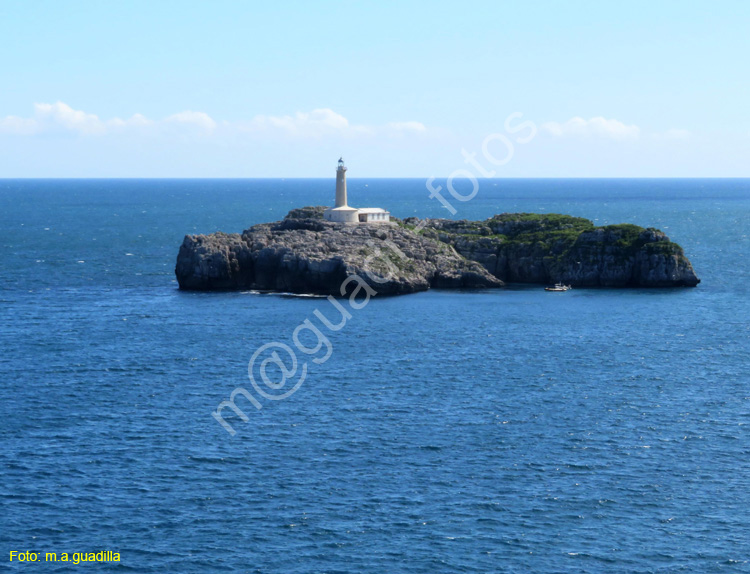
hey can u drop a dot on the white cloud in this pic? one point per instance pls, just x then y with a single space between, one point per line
324 121
136 120
597 127
316 123
16 125
62 115
199 119
406 126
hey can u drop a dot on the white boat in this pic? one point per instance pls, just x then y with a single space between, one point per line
558 287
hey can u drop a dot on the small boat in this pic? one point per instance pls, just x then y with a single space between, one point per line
558 287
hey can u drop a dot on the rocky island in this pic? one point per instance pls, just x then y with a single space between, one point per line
307 253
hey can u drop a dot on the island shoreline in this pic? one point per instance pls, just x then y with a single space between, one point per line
305 254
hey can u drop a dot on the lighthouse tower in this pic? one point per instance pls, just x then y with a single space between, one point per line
341 212
341 184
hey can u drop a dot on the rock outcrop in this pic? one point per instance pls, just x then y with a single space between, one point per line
306 254
551 248
311 255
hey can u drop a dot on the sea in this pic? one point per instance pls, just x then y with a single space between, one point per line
511 430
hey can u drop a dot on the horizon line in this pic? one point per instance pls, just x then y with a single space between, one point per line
50 178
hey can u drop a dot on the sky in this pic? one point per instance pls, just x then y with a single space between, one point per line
400 89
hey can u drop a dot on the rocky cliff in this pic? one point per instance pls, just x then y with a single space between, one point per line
306 254
311 255
552 248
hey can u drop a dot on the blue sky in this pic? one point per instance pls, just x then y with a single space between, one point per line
281 89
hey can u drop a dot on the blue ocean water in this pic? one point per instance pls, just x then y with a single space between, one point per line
482 431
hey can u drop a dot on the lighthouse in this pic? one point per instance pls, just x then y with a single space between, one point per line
342 213
341 184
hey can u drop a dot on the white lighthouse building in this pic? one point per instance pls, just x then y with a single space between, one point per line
341 212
